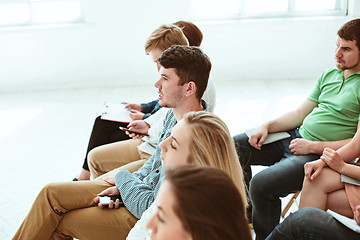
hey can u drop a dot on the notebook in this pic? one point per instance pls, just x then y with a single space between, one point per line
348 222
347 179
272 137
115 112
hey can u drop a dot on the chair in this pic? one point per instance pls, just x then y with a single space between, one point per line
289 204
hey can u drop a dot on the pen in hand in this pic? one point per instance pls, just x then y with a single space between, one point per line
127 107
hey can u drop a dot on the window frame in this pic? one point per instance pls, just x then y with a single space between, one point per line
342 5
32 22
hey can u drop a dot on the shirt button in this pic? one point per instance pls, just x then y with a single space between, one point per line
157 171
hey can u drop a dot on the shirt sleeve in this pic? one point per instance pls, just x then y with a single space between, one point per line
210 96
146 115
145 170
315 93
137 194
148 107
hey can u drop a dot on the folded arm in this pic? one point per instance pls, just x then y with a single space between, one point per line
336 163
301 146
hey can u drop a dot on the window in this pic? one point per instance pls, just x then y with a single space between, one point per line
225 9
35 12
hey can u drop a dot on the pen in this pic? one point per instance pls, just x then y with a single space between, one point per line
127 107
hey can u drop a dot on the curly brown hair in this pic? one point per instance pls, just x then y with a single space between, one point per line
351 31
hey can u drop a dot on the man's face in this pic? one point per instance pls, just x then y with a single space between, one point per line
347 55
170 93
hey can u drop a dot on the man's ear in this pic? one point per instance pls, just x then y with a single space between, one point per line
191 89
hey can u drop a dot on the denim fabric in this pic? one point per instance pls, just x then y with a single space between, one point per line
284 175
311 224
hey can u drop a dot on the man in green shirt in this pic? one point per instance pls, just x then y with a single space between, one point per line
329 117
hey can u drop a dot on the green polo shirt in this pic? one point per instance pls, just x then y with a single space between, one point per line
337 114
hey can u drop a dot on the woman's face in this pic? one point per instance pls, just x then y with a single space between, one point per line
176 148
155 54
165 224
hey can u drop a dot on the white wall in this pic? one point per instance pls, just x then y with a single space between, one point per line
108 49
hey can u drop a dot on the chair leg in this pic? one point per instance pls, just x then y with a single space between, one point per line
289 204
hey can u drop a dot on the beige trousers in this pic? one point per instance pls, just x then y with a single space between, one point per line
67 210
108 157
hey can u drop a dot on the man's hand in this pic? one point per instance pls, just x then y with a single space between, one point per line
138 126
333 160
301 146
133 106
111 191
136 115
257 139
110 178
313 169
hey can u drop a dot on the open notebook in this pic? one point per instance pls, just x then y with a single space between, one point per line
115 112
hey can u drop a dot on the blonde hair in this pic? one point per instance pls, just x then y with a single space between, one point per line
212 145
164 37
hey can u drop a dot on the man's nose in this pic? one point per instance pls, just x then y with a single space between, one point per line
338 52
157 83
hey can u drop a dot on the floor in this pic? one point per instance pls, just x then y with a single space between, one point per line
44 134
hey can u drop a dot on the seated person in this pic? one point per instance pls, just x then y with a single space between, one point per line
199 203
107 157
323 187
67 210
61 209
328 118
105 132
322 190
215 148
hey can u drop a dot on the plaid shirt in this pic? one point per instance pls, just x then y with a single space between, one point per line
139 189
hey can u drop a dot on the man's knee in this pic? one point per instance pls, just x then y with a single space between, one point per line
50 188
263 184
241 139
258 185
303 215
50 194
302 220
93 157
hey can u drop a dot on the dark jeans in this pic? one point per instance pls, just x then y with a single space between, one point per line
311 224
284 175
104 132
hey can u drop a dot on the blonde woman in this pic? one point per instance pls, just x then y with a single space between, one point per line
210 144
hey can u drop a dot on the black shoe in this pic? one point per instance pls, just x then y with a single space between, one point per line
75 179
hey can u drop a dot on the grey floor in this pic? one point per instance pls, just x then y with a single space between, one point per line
44 134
